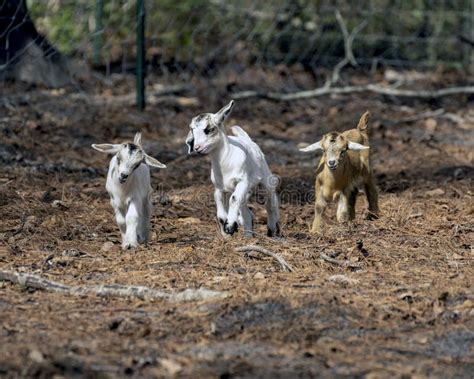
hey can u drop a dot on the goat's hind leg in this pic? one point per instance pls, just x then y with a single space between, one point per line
372 197
272 207
143 230
352 203
246 221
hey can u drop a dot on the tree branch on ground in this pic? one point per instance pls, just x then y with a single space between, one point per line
109 290
338 262
277 257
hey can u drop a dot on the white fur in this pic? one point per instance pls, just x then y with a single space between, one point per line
130 197
238 166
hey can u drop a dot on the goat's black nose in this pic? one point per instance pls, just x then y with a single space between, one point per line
331 163
123 177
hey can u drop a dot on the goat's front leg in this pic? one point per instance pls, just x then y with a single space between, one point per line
319 208
237 200
119 216
132 219
342 214
221 211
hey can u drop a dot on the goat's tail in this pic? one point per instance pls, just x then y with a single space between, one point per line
239 132
363 122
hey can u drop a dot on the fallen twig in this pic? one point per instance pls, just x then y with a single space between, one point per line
417 117
375 88
261 250
113 290
348 264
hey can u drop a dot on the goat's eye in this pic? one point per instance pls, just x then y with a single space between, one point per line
208 130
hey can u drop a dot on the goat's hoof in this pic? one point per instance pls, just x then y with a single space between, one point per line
316 231
372 216
275 232
129 246
221 222
230 229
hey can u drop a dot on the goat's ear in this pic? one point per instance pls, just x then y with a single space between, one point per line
137 140
313 147
221 116
190 142
356 146
150 161
107 148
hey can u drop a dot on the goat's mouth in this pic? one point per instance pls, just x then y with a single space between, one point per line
332 167
204 151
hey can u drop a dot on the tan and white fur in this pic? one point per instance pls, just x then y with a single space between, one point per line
238 166
344 165
128 184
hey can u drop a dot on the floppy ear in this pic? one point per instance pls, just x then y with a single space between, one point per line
356 146
150 161
190 142
313 147
137 140
221 116
107 148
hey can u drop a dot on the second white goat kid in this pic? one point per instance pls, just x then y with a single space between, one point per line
238 166
128 184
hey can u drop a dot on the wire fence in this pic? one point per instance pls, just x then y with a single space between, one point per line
200 37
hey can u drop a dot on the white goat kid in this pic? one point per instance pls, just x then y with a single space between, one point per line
128 184
238 166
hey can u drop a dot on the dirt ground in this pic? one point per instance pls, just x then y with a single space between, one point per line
407 311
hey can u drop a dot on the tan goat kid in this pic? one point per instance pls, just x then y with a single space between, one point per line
344 165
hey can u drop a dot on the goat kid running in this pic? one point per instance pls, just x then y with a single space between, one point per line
238 166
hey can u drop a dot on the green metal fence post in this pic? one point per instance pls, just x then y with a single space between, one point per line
99 10
140 54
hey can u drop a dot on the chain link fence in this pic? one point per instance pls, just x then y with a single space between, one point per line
200 37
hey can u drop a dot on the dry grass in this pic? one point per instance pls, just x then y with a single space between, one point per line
407 311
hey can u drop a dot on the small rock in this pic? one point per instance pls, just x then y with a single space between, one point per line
107 246
59 204
72 253
259 276
171 366
435 192
431 124
36 356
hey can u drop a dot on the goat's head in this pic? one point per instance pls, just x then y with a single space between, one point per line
129 156
334 147
207 130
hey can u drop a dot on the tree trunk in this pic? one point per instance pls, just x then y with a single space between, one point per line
26 55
